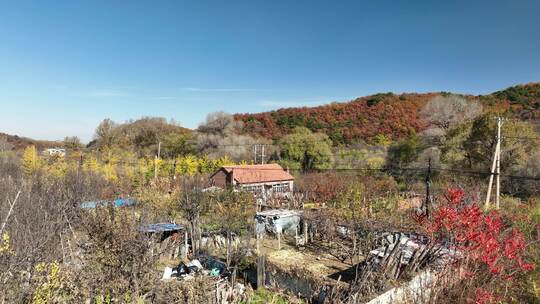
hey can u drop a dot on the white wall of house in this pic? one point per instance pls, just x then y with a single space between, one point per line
268 187
55 151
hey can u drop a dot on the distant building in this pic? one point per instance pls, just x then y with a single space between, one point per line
266 180
55 151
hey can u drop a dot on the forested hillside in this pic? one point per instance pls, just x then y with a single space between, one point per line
384 116
14 142
141 136
395 116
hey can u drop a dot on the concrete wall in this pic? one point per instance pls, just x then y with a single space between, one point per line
417 290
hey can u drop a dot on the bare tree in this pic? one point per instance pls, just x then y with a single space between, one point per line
222 135
446 112
104 134
118 259
232 212
4 144
194 204
41 227
72 143
220 123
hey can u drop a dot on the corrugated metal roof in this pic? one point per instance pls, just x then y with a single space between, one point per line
161 227
251 174
280 212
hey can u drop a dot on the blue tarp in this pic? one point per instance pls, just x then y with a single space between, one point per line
161 227
120 202
124 202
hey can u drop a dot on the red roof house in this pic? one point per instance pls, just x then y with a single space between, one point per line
254 178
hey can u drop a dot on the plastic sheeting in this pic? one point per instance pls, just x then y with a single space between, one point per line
277 221
120 202
161 227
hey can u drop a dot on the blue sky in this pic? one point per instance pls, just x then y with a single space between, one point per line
66 65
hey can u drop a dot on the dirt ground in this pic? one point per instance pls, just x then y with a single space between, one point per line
315 258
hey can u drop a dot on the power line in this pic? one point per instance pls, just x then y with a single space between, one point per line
391 169
521 137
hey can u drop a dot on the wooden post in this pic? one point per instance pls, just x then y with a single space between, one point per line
174 169
305 232
186 248
228 242
158 155
261 277
155 167
427 201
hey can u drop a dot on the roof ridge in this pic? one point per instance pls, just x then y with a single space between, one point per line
254 166
258 173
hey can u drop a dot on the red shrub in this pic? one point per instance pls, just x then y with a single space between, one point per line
487 240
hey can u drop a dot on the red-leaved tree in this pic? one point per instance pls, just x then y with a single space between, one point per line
492 251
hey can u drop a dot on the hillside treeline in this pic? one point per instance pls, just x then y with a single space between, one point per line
455 133
392 115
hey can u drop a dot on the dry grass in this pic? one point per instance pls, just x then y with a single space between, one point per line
318 267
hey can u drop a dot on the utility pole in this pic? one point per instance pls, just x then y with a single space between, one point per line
257 154
262 158
498 165
495 167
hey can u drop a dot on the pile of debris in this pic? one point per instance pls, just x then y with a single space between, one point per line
204 266
207 271
410 252
402 269
169 239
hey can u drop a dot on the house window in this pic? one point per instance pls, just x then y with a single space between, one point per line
281 187
252 189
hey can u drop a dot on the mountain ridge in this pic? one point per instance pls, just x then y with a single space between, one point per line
363 118
16 142
392 115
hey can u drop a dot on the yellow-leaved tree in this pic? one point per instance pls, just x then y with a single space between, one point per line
109 172
31 161
223 161
205 165
187 165
4 243
91 164
59 168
